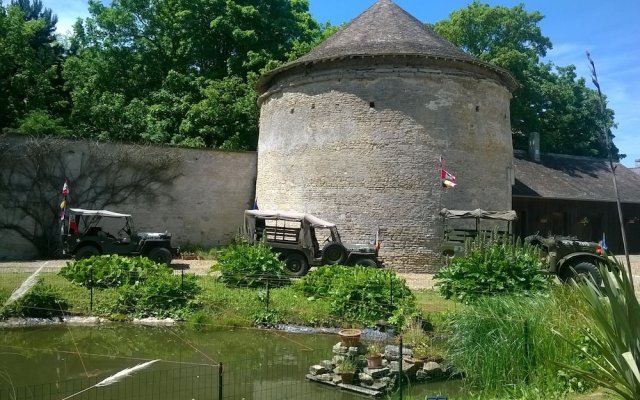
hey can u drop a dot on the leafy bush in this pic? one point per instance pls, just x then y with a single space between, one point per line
249 265
42 301
162 295
111 271
361 294
490 267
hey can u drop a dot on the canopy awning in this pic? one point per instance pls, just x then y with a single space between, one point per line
291 216
99 213
478 213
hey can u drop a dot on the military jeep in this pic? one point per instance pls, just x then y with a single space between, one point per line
569 257
297 238
459 226
87 233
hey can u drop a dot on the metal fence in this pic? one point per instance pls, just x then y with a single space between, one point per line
186 382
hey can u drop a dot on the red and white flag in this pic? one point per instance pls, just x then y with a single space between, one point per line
65 189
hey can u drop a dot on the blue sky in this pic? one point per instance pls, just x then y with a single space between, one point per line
609 30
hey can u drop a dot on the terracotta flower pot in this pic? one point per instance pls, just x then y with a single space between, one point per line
350 337
347 377
374 361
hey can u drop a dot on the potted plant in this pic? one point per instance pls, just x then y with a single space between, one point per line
347 370
350 337
374 355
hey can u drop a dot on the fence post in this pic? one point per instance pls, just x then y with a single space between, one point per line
91 289
391 290
268 294
527 350
220 380
400 367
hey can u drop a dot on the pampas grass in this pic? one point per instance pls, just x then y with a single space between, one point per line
117 377
27 285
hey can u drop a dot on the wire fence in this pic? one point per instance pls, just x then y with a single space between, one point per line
265 377
186 382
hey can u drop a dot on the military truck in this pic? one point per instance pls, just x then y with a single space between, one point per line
462 225
297 237
87 233
564 256
569 257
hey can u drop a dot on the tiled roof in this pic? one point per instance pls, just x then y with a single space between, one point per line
573 178
386 30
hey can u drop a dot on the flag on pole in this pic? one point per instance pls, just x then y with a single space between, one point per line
448 180
63 205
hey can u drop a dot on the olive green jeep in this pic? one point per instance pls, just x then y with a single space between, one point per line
568 257
304 241
87 233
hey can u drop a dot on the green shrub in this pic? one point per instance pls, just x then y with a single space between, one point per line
615 334
492 266
42 301
162 295
505 345
361 294
111 270
247 265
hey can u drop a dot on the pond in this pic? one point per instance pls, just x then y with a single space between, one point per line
54 362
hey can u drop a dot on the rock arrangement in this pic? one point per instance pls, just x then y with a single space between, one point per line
376 381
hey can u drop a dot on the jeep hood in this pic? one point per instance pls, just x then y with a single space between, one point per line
154 235
360 248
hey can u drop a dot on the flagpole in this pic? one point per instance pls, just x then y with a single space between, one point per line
606 131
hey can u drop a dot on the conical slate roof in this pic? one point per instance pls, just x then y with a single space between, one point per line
385 30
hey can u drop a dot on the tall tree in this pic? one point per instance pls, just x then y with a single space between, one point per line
150 71
551 100
28 70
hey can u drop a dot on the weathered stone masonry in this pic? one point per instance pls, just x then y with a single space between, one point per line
354 130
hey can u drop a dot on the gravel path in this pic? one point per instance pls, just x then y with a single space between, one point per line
201 267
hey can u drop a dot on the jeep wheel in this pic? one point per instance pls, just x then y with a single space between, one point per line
584 269
334 253
296 264
160 255
366 262
86 252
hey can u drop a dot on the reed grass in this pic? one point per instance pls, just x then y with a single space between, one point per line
506 346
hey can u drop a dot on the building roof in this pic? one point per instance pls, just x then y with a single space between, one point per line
386 30
573 178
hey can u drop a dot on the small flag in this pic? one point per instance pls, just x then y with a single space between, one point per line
448 184
445 176
63 205
603 243
65 189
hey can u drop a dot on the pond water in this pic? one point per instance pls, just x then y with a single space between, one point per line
54 362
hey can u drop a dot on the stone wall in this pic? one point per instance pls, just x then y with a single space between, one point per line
360 146
203 206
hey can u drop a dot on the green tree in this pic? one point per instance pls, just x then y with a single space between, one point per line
179 71
551 100
29 70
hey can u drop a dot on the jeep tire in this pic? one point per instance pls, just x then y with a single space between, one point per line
86 252
296 264
334 253
366 262
583 269
160 255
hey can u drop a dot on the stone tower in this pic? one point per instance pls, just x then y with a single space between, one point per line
353 132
